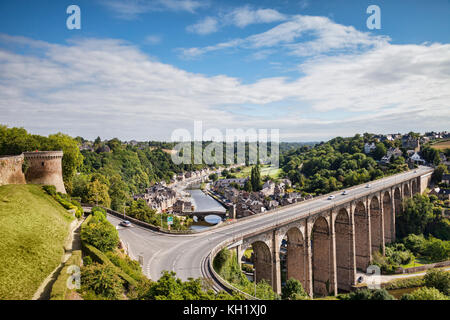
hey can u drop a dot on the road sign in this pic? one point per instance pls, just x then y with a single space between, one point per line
169 220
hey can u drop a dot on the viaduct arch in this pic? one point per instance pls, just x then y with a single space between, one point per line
325 248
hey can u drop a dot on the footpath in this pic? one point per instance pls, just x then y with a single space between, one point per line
73 242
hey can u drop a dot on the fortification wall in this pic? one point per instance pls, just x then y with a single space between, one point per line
11 170
45 167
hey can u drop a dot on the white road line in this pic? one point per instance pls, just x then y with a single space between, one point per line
150 261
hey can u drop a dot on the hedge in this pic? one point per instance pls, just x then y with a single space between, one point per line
59 288
98 256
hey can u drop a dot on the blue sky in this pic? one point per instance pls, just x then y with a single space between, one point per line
141 69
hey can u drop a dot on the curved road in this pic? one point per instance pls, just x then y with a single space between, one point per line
185 254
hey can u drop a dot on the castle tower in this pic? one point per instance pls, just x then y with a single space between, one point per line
45 167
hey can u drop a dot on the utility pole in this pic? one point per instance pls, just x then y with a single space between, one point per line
124 204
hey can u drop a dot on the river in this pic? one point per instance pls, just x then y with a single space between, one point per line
204 203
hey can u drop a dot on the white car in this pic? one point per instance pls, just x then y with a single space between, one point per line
344 192
331 197
368 186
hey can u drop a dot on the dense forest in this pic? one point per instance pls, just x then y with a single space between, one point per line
338 163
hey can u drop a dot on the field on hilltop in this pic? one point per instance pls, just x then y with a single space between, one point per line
33 228
441 145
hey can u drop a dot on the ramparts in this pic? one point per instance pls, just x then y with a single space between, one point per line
11 170
42 167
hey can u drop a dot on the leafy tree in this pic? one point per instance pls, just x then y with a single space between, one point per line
437 250
380 151
367 294
248 186
102 280
293 290
438 173
220 259
118 192
169 287
438 279
417 212
425 293
100 234
255 178
97 193
213 177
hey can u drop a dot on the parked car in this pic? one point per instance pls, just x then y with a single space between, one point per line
125 223
331 197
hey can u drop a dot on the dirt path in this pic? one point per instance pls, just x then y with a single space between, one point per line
73 242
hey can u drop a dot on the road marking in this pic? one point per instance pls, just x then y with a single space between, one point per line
150 261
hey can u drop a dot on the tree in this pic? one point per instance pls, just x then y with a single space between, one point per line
425 293
102 280
248 186
100 234
255 178
438 173
418 211
380 151
118 192
97 193
438 279
293 290
367 294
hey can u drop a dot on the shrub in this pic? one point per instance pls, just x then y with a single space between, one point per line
415 243
293 290
51 190
101 235
247 267
425 293
220 259
437 250
438 279
367 294
102 280
87 260
129 266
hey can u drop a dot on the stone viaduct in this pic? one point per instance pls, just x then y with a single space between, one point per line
325 248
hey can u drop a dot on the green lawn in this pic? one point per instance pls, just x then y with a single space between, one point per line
33 228
265 170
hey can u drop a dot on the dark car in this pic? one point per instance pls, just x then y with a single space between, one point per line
125 223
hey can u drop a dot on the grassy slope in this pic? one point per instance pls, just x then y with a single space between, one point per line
265 170
33 228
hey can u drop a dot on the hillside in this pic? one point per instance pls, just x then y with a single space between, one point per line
33 228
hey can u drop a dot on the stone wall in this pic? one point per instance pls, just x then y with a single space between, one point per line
45 168
11 170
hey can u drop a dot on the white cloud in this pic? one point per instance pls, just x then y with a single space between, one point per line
152 39
131 9
246 15
327 35
206 26
239 17
107 87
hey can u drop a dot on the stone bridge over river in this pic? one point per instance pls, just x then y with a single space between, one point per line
327 240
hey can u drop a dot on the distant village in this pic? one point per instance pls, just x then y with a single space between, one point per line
171 197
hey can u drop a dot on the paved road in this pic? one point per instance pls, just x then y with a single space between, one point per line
184 254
